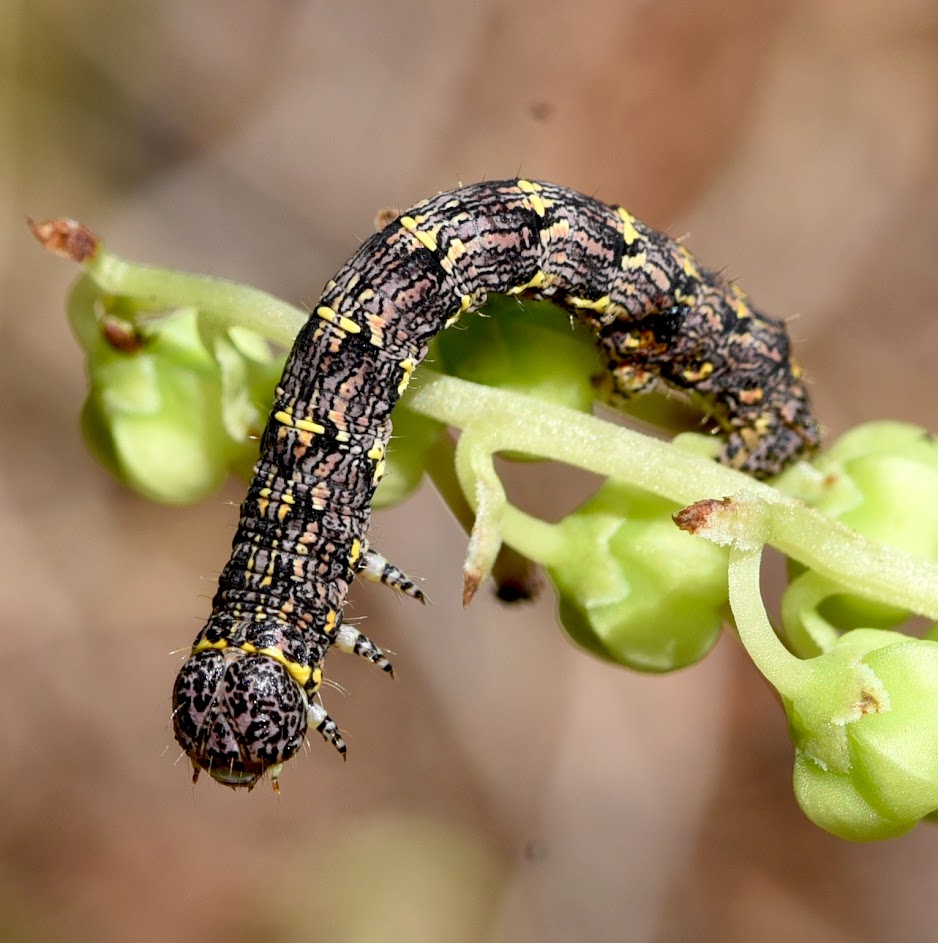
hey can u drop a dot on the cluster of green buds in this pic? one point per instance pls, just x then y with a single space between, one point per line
179 387
182 370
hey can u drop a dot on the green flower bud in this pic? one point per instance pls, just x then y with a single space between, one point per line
524 347
865 731
249 375
635 589
161 411
881 479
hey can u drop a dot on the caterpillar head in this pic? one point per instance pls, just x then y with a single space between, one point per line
238 714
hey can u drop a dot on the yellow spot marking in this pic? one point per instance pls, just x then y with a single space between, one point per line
457 249
408 366
426 239
355 553
531 189
599 305
205 645
376 453
262 505
339 320
287 498
331 618
741 308
635 261
689 264
465 303
299 673
629 232
316 675
283 512
701 373
307 425
538 281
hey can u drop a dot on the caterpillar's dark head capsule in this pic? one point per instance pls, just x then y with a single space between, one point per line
238 715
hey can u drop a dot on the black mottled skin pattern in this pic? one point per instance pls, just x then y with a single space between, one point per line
657 314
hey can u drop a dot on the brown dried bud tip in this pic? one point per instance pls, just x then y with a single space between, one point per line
65 237
470 585
697 516
384 218
121 335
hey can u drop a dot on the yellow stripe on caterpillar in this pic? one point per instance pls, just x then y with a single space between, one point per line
538 280
408 367
285 418
599 305
426 239
629 232
339 320
534 198
299 673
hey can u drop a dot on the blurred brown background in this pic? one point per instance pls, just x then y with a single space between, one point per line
507 787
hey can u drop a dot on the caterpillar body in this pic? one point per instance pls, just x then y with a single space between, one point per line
245 697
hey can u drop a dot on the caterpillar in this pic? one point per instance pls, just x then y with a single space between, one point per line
244 699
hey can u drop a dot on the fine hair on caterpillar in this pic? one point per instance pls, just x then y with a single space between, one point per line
244 699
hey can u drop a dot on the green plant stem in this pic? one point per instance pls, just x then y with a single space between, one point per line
503 421
497 421
786 673
807 631
227 303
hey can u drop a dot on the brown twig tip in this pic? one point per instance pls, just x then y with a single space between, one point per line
65 237
470 585
698 516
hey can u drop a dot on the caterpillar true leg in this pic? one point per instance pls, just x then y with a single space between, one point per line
378 569
349 639
320 720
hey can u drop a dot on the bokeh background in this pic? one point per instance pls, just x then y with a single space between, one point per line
507 787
